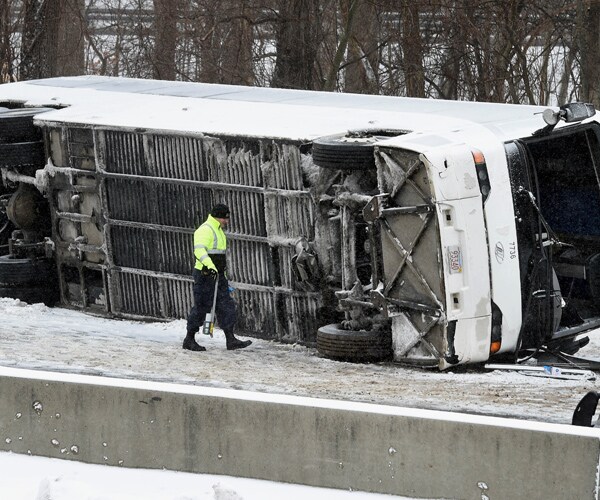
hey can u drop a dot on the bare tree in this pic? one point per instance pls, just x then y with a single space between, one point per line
450 50
166 16
412 49
296 44
348 15
536 51
218 41
361 69
503 51
52 38
6 48
589 47
237 47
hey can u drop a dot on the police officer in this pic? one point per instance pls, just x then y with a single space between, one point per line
210 245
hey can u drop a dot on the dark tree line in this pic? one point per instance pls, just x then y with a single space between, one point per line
535 52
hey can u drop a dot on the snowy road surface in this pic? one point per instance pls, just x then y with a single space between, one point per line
56 339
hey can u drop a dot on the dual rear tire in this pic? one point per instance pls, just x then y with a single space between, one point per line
21 143
30 280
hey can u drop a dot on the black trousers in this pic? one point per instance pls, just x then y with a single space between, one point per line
204 288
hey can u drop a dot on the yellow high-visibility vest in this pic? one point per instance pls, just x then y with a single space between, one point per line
209 240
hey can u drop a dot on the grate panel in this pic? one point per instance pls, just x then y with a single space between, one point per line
256 313
151 250
135 294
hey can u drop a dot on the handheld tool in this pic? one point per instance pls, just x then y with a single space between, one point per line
209 320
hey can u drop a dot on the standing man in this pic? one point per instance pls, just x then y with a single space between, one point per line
210 245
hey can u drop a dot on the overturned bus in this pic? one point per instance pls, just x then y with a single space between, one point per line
435 232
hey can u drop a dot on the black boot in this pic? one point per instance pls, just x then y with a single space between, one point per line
233 343
190 343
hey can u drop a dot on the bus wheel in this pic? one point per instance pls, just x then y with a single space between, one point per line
31 294
6 226
354 345
30 280
340 152
25 272
16 125
21 154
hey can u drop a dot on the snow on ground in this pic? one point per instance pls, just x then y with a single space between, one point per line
35 478
56 339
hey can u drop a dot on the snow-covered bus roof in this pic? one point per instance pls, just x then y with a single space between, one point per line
200 108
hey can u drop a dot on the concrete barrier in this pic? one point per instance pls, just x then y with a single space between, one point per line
337 444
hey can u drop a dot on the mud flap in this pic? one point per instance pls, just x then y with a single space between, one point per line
586 409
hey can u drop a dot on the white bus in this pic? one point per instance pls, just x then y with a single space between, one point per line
434 232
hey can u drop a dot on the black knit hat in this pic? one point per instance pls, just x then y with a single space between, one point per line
220 211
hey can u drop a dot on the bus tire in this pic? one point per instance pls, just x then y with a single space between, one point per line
20 154
47 295
6 226
25 272
16 125
340 152
353 345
